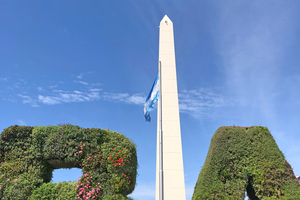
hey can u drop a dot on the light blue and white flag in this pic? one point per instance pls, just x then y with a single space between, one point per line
151 99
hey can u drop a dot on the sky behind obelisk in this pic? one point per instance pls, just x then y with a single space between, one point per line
92 64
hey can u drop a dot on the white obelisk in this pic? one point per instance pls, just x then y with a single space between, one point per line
172 166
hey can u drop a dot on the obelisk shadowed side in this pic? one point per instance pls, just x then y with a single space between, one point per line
174 187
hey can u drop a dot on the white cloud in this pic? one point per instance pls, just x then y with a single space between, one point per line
40 89
253 49
49 100
136 99
28 100
52 86
61 96
59 91
81 82
22 80
4 79
10 99
77 92
95 90
96 84
197 103
115 96
83 74
94 95
69 97
200 102
22 123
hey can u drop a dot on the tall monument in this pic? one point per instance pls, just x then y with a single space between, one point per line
172 166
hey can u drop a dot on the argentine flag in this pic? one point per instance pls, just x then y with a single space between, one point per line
151 99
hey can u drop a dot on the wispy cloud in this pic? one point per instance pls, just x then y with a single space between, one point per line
75 96
10 98
4 79
52 86
80 76
96 84
94 95
22 123
28 100
253 49
81 82
23 81
49 100
40 89
95 90
255 45
59 91
137 99
200 102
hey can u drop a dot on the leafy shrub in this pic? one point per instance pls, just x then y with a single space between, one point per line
28 156
243 159
55 191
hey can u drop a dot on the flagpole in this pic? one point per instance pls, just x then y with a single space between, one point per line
161 172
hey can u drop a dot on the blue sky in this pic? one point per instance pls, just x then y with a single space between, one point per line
92 64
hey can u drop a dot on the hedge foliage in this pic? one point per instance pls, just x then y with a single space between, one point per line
28 155
243 159
55 191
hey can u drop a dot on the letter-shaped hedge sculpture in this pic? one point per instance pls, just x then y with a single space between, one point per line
243 159
28 155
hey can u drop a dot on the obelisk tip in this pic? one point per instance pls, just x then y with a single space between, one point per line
166 20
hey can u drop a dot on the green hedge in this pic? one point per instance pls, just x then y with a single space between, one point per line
28 155
243 159
55 191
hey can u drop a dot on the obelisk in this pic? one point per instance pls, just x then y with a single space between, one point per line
173 174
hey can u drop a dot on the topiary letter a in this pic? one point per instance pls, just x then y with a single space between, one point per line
243 159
